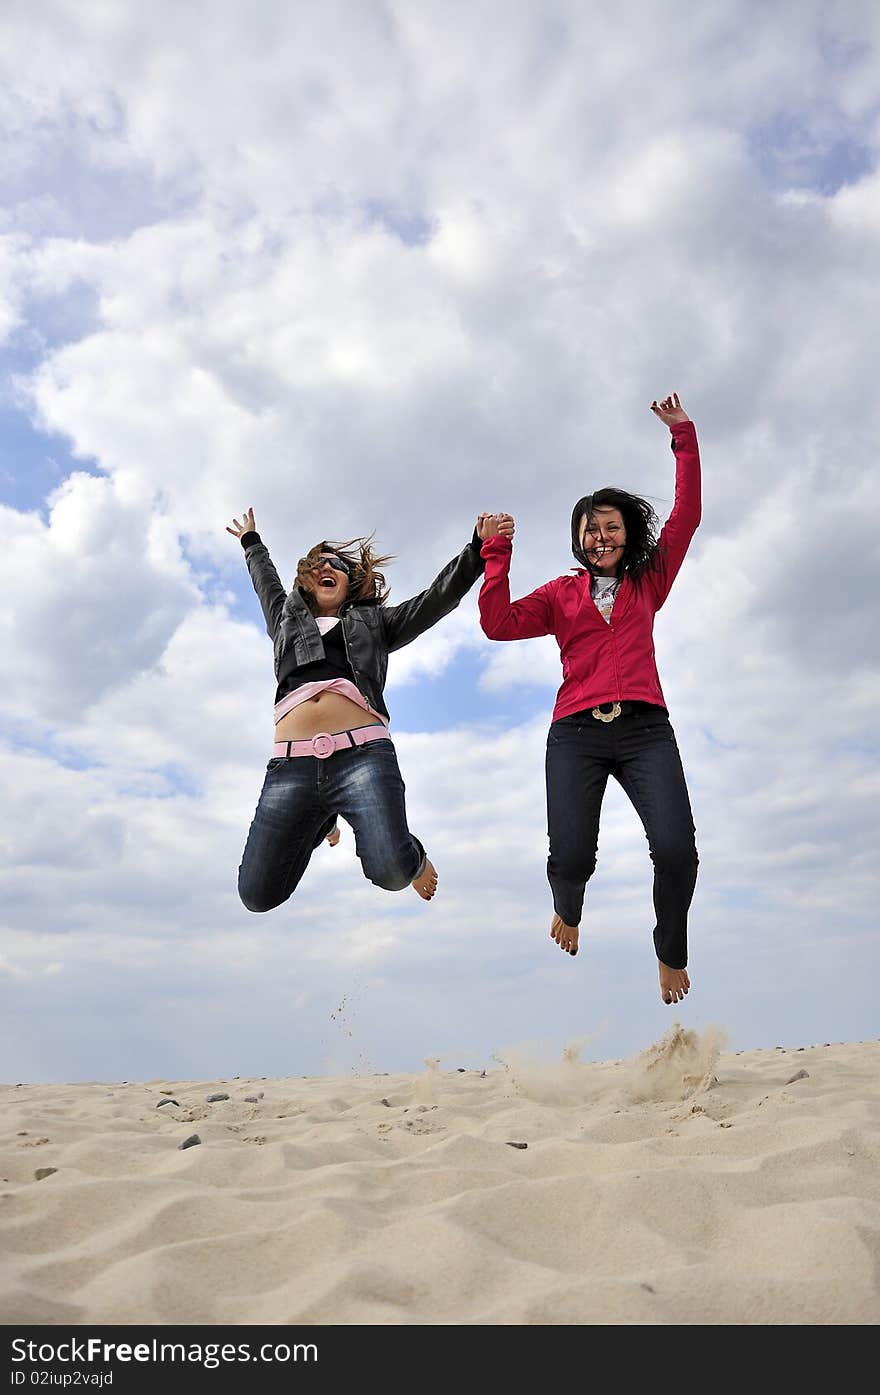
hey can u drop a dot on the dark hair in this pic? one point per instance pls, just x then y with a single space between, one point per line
641 524
365 581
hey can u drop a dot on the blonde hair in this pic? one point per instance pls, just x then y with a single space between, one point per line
365 582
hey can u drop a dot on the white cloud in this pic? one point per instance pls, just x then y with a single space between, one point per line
91 596
11 246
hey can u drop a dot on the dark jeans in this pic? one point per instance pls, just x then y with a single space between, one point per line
299 802
639 749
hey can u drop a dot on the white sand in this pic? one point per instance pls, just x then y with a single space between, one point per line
685 1186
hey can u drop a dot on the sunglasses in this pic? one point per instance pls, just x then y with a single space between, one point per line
335 562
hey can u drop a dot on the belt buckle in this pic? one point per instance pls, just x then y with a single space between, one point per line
323 745
606 716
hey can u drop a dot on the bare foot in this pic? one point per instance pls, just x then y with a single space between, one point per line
674 983
426 884
566 936
333 835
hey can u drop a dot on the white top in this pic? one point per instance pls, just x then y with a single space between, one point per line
603 589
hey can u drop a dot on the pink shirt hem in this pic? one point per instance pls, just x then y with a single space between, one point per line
334 685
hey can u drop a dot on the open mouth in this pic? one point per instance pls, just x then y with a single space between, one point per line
329 582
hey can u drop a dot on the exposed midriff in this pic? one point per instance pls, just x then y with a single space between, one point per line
326 709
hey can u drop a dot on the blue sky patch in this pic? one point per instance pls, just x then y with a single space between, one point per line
794 154
410 226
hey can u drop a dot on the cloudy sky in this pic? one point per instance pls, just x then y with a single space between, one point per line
378 265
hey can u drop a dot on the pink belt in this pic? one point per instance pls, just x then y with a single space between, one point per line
325 743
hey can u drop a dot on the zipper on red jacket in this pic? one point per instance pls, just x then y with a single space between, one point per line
616 664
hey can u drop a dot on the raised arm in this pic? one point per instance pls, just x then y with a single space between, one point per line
405 622
683 521
267 583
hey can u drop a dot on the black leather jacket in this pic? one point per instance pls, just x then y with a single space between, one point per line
370 630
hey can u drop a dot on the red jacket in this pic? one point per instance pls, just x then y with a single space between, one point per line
601 662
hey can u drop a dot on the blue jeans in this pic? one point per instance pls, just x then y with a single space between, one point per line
298 805
639 749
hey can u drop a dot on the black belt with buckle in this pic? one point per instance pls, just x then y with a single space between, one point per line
608 711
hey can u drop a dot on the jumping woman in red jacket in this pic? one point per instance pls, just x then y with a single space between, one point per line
610 716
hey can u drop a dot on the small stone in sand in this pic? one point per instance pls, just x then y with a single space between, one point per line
800 1075
516 1145
212 1099
190 1142
168 1101
384 1101
42 1172
253 1099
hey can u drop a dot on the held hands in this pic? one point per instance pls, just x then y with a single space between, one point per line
247 525
494 525
669 410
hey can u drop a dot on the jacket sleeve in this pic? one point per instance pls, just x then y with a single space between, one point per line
502 618
267 583
405 622
684 519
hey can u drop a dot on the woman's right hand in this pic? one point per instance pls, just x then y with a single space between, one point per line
247 525
495 525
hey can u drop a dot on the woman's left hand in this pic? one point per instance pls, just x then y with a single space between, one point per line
669 410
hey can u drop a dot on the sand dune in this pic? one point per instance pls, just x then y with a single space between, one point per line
688 1185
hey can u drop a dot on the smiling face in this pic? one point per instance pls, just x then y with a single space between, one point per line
328 583
602 537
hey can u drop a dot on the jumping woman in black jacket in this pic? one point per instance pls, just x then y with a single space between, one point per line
332 634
